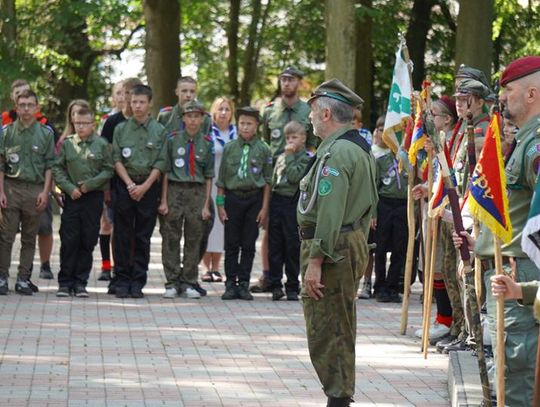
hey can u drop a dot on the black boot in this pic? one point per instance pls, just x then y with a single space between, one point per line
243 291
231 291
338 402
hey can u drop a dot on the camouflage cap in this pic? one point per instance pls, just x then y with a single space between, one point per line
248 111
193 106
293 72
335 89
472 87
466 72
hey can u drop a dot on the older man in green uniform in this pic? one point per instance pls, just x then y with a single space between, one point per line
26 159
521 97
338 198
185 202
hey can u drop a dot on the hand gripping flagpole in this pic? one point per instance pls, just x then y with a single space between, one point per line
469 278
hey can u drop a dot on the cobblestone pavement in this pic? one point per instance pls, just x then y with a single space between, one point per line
103 351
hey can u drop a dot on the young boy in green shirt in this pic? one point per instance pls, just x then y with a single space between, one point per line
243 195
82 171
284 243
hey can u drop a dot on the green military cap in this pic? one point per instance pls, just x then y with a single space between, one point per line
466 72
193 106
292 71
335 89
248 111
472 87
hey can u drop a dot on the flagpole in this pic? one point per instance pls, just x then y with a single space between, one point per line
410 223
500 365
428 298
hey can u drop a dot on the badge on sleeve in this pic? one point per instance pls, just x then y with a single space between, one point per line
126 152
14 158
326 171
179 162
325 187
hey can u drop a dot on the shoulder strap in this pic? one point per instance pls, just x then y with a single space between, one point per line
354 137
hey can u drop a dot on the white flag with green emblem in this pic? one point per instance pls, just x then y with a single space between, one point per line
399 103
530 240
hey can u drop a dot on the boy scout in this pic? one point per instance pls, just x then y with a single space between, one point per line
242 199
82 171
172 116
185 202
521 96
338 197
26 159
391 224
137 143
284 244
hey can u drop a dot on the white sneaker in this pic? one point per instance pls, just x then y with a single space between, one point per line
170 292
190 293
436 331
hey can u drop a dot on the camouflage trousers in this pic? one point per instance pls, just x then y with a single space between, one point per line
331 321
521 337
185 202
451 279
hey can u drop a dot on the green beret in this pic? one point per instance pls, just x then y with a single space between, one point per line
335 89
472 87
248 111
466 72
292 71
193 106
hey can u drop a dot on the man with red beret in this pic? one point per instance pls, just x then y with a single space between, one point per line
521 99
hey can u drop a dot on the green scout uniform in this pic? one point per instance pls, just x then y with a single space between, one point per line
172 118
25 155
138 147
189 162
276 115
520 326
246 167
288 171
338 198
79 162
531 296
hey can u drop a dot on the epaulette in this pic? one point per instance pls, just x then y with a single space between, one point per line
166 109
47 126
172 134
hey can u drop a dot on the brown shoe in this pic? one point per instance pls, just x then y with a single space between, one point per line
262 286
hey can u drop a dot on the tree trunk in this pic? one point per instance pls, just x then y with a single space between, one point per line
8 27
232 41
473 36
340 16
416 37
364 61
162 60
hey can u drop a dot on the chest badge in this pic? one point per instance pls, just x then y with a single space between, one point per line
275 133
14 158
181 151
126 152
179 162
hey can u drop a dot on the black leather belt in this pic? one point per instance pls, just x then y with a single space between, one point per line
138 179
245 193
308 232
184 184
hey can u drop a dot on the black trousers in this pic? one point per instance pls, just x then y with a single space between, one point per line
241 232
134 223
283 242
391 236
79 231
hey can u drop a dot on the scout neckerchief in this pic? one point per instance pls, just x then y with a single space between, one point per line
217 134
242 170
280 167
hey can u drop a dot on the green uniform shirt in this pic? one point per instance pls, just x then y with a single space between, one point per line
179 152
259 165
390 182
531 296
172 118
26 153
83 162
276 115
137 146
288 171
346 192
461 160
521 171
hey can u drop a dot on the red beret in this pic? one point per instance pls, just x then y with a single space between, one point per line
519 68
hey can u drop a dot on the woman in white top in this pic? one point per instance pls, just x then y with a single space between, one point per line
223 131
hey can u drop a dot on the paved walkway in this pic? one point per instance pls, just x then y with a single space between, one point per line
104 351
